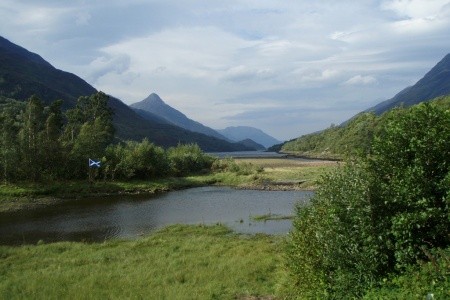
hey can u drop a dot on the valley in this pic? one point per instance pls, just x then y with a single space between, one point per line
100 199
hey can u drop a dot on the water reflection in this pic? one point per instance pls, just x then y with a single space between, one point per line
131 217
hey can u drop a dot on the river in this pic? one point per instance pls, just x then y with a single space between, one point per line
128 217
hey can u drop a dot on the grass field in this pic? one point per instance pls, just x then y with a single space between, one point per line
178 262
307 173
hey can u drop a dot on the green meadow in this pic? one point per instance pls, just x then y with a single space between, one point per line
178 262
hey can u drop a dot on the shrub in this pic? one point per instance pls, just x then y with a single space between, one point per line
428 280
331 249
185 159
378 215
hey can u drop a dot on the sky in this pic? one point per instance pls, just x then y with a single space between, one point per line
286 67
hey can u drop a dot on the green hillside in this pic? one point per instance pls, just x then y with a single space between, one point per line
23 74
353 138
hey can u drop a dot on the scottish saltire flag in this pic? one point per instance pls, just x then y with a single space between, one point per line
94 163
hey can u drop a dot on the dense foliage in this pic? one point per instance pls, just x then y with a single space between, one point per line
353 137
144 160
41 143
378 215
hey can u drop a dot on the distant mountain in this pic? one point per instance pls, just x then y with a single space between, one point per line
238 133
252 144
434 84
23 74
357 132
155 105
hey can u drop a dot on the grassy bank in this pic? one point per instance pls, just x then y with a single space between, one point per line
179 262
19 196
274 174
280 173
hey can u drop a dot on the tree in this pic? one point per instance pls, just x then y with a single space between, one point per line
53 164
89 130
31 139
410 166
378 215
9 144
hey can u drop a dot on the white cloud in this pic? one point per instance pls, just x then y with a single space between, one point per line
415 9
280 59
361 80
101 66
244 74
308 75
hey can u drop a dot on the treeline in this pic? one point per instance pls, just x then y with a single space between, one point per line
353 138
143 160
41 143
373 224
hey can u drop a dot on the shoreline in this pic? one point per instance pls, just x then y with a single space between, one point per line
33 203
279 174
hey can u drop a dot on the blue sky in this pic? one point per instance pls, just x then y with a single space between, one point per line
286 67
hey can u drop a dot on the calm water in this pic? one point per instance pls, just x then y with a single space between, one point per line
247 154
131 217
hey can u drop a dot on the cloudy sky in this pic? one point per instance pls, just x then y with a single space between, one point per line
286 67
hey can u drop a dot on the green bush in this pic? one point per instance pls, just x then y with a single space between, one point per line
410 165
430 279
185 159
140 160
332 252
378 215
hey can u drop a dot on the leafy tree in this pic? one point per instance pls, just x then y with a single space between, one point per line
378 215
136 160
410 166
52 141
185 159
89 130
9 144
31 138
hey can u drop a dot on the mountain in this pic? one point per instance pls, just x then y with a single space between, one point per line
23 74
238 133
252 144
356 133
155 105
434 84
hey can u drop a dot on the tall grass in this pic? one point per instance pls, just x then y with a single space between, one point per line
179 262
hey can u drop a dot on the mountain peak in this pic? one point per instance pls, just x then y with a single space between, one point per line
155 105
154 99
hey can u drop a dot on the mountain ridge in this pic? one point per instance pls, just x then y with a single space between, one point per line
434 83
23 74
155 105
358 130
238 133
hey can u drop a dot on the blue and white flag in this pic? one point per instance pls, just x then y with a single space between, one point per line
94 163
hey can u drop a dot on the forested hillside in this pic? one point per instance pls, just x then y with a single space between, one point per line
24 74
44 143
352 138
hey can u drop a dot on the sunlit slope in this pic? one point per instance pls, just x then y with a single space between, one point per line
350 139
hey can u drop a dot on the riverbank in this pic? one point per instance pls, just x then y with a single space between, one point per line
178 262
252 173
28 196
